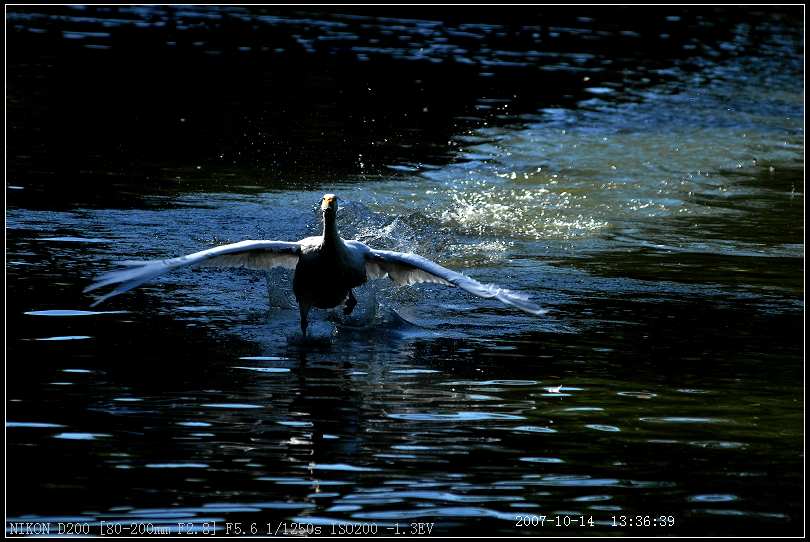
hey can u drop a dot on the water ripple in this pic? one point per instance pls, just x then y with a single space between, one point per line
453 417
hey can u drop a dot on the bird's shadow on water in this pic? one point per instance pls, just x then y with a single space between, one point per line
333 329
331 332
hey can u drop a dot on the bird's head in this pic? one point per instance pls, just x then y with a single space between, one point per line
329 204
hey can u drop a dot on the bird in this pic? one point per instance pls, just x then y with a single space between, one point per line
326 269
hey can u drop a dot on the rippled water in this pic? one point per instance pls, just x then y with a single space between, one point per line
651 197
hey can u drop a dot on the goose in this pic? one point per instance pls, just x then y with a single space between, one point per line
326 269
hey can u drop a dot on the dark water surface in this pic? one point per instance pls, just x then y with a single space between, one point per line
638 171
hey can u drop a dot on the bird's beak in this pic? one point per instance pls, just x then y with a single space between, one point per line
328 202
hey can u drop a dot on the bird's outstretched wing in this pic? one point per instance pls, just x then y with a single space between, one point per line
405 269
248 254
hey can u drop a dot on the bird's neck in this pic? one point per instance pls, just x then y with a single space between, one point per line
331 239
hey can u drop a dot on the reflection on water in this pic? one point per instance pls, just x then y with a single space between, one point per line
652 203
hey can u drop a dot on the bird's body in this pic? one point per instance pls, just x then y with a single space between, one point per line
326 268
326 272
316 283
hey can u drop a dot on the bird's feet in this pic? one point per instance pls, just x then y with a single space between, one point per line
351 302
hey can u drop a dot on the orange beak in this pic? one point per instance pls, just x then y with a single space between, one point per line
328 202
